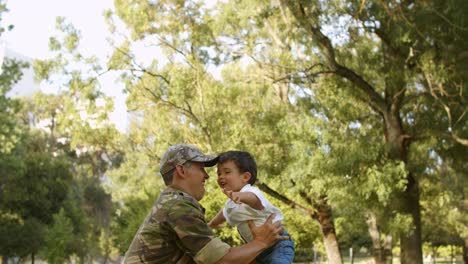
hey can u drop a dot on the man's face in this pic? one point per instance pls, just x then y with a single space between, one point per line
197 176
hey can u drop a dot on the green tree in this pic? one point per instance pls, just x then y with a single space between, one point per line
58 238
442 199
20 238
9 131
382 58
76 121
350 96
169 110
34 188
20 234
383 55
184 93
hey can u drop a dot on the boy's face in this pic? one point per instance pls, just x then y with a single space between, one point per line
229 177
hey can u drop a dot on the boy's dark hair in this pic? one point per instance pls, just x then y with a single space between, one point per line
243 160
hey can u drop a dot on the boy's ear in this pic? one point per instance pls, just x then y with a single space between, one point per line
246 176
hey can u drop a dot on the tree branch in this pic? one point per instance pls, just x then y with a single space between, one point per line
308 211
371 97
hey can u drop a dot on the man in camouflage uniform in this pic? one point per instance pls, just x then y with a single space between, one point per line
175 230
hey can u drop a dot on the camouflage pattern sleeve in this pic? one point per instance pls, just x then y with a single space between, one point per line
175 232
196 236
212 252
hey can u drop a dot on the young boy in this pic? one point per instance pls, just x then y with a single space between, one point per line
237 172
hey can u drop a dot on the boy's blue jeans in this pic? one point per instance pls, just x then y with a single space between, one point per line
280 253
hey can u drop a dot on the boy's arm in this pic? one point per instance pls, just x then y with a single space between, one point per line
218 220
248 198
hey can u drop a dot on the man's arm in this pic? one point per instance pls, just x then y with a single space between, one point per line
264 237
249 198
218 220
197 237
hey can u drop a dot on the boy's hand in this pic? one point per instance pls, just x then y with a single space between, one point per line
234 196
214 226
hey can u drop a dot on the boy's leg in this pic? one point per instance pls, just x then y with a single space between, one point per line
280 253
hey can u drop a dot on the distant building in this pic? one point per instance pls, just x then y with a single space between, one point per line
26 86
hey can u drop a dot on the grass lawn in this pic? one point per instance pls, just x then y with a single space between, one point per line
370 260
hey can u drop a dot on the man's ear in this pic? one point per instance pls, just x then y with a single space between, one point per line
180 170
246 176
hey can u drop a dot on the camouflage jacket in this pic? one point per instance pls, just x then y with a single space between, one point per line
175 231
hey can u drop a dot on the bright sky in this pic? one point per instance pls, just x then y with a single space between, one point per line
34 23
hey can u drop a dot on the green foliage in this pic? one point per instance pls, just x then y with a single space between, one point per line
43 69
340 102
443 202
58 238
20 237
352 232
4 9
120 59
33 188
384 181
9 132
55 149
127 219
444 251
193 108
39 188
402 223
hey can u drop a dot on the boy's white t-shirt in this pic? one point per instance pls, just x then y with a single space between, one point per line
238 214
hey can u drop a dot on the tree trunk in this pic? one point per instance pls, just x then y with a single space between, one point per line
410 242
382 250
411 250
324 217
389 107
465 251
451 254
388 245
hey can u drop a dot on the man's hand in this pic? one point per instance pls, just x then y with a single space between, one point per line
268 233
264 237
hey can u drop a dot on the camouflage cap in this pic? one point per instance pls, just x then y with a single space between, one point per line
181 153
